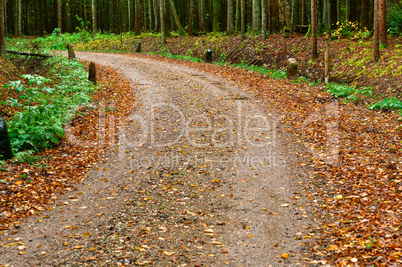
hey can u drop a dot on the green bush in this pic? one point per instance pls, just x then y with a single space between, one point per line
348 92
42 111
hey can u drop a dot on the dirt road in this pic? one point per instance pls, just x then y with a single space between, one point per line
200 176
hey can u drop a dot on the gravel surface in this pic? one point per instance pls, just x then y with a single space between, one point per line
200 175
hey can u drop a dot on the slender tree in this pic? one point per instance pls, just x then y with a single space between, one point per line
2 32
176 17
230 22
137 27
264 19
162 11
383 22
201 14
243 18
215 15
190 19
19 18
155 3
59 21
94 20
376 31
256 15
314 29
237 19
150 15
365 13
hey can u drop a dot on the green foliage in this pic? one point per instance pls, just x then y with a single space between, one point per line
388 103
394 19
187 57
275 73
3 166
42 111
350 93
350 29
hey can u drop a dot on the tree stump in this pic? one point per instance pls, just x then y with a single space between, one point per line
138 49
291 67
208 57
5 145
92 73
71 54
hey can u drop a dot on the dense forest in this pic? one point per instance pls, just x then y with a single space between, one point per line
38 17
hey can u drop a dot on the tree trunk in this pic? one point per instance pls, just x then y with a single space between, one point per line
237 18
94 21
19 19
155 3
2 32
243 18
383 22
150 15
230 25
376 32
264 19
176 17
59 14
256 15
303 10
201 14
137 27
333 8
162 10
352 10
215 15
190 19
365 13
144 12
314 29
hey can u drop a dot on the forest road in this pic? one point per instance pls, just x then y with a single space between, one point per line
200 175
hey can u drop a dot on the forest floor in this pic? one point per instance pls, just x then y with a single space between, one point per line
330 191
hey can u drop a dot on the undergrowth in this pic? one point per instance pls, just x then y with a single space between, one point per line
44 105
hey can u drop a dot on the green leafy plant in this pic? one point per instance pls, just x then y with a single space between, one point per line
350 93
388 103
42 111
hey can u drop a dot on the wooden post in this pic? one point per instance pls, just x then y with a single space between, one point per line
291 70
138 49
208 57
327 59
71 54
92 73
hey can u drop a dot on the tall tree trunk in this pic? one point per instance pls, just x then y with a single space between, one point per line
237 16
264 19
365 13
230 25
162 10
19 18
201 14
376 31
352 10
155 3
176 17
2 32
303 12
190 19
59 25
383 22
144 12
94 20
150 15
333 8
216 14
243 18
314 29
256 15
137 27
